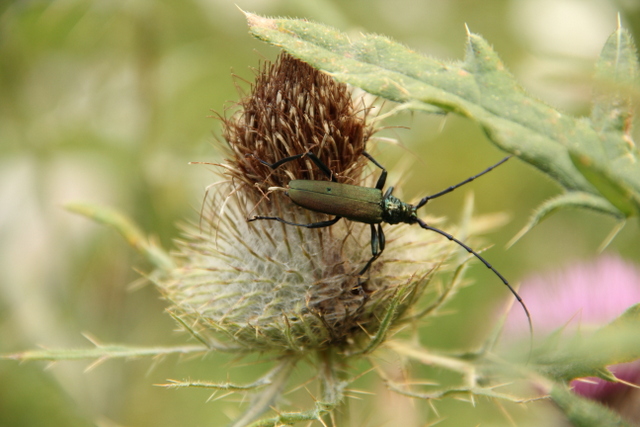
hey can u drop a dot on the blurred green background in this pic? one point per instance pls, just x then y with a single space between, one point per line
107 102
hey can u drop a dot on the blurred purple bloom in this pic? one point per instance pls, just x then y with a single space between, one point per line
585 296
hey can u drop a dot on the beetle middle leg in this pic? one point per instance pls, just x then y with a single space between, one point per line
377 246
377 235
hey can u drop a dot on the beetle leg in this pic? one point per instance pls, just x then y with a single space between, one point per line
320 224
368 156
278 163
383 175
381 238
324 168
377 246
375 242
388 192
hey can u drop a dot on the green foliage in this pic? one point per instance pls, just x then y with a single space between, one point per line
582 412
589 355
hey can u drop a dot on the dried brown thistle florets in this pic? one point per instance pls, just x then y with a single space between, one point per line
270 286
293 109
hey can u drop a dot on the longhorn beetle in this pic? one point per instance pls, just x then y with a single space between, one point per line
368 205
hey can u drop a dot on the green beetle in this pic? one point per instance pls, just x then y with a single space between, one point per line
370 206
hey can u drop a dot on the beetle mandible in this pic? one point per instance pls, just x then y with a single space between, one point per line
370 206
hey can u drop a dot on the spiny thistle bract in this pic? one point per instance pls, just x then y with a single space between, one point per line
266 286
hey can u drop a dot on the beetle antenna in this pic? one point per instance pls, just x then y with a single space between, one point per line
424 201
484 261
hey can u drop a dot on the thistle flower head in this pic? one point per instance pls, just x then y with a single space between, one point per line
264 285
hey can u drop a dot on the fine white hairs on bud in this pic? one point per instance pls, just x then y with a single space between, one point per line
265 285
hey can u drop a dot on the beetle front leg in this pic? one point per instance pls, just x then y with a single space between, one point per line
377 246
383 176
277 164
320 224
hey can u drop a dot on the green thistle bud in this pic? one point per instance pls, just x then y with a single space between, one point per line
268 286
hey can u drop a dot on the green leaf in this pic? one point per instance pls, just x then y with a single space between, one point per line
571 199
621 337
590 355
617 71
611 165
593 156
618 188
583 412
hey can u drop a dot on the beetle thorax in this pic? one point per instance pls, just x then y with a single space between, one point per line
395 211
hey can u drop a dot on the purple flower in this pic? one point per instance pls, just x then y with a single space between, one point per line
584 297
